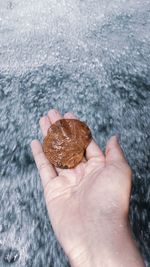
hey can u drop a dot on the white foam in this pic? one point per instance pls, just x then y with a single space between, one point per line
34 32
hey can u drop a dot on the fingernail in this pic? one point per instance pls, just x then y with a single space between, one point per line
53 111
115 137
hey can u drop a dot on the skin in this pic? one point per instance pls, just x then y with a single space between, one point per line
88 205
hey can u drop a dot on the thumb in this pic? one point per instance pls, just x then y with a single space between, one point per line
113 150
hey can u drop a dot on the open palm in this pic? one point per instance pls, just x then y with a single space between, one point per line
81 198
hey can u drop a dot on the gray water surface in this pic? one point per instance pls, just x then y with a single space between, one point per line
92 58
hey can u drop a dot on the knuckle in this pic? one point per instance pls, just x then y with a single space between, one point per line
43 165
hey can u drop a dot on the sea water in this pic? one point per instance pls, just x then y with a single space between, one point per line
92 58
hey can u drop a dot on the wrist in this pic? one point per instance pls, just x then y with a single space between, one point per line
113 250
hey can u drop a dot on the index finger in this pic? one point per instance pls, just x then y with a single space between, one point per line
46 170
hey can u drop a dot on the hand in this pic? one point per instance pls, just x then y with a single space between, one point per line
88 205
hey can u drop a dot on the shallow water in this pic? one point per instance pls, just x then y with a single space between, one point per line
90 57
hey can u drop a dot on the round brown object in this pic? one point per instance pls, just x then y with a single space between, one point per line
66 142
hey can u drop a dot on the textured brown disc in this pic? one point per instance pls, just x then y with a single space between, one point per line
66 142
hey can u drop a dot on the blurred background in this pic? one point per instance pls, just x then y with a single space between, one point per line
90 57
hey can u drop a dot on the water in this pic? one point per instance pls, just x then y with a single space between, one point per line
90 57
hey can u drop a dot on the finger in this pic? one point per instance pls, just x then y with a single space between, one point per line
94 151
45 169
113 150
70 115
54 115
44 125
